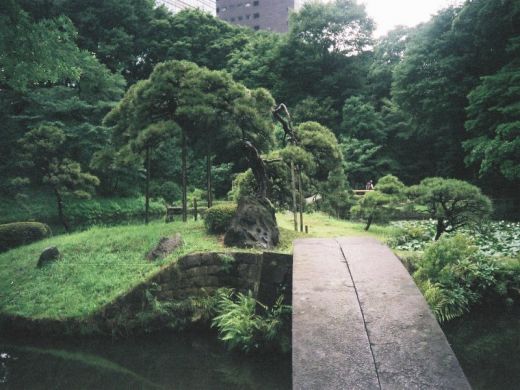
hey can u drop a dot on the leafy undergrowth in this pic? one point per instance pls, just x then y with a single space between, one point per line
96 266
80 213
497 238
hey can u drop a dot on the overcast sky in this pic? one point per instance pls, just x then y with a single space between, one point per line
390 13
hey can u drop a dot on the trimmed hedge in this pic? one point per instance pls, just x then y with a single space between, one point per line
80 213
218 218
22 233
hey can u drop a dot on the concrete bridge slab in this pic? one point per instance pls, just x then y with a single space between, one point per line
359 322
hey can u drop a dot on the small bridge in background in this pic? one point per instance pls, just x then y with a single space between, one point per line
360 322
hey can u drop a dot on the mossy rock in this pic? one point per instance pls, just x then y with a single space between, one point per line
254 225
16 234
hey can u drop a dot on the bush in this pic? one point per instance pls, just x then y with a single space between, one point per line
241 326
453 275
22 233
218 218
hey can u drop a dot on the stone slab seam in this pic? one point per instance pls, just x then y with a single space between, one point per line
362 314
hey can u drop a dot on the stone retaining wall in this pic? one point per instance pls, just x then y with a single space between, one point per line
267 275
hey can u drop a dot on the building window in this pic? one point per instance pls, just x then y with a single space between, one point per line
256 16
255 3
256 28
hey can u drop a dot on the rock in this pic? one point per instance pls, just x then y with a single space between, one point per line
48 255
254 225
166 246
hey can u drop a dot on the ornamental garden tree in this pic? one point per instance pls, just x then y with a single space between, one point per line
45 163
205 110
452 203
382 203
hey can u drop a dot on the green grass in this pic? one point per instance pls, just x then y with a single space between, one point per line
102 263
322 225
96 266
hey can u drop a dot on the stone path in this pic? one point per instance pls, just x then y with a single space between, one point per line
360 322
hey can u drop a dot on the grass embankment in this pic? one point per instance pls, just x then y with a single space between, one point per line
97 266
100 264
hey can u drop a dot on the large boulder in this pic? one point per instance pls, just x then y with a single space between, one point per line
254 225
48 255
166 246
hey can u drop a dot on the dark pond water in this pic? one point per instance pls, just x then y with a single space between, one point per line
487 345
164 361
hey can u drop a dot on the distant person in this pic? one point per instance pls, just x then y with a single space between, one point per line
369 185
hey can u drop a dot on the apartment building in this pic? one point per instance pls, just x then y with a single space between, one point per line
177 5
270 15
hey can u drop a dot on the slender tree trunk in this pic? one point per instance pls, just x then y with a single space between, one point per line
147 187
184 178
440 229
195 209
301 198
208 175
61 215
369 222
293 189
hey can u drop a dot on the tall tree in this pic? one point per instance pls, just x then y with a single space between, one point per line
33 52
326 54
207 107
43 158
494 121
442 64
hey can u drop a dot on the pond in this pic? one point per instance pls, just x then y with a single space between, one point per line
161 361
487 345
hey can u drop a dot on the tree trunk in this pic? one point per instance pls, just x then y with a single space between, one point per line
293 189
440 229
208 176
369 222
61 215
301 198
184 178
147 187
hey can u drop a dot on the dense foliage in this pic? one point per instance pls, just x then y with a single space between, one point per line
217 219
455 275
435 100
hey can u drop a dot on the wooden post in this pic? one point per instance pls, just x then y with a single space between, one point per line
195 208
293 188
209 184
147 190
184 168
306 229
301 198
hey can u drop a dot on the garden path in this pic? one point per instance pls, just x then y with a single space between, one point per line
360 322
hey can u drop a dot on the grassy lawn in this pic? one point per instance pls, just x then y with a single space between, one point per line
102 263
97 265
322 225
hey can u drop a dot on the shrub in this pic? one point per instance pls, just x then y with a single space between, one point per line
22 233
218 218
241 327
243 185
453 275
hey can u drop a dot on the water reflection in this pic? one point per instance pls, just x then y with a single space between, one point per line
163 361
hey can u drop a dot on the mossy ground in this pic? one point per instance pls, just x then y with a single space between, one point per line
101 263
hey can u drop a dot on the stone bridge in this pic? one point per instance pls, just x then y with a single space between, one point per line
360 322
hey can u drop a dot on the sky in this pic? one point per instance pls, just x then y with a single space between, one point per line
390 13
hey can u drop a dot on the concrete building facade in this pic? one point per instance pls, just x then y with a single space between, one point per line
272 15
178 5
